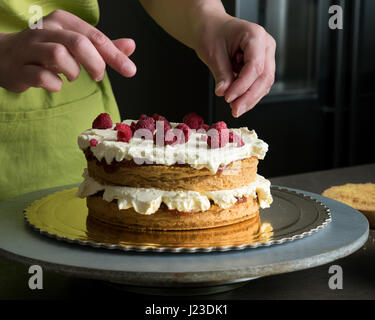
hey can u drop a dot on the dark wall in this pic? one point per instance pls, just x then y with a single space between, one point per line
170 78
328 127
364 115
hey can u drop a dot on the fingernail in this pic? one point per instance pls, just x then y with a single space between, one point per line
129 68
219 85
100 78
231 98
241 110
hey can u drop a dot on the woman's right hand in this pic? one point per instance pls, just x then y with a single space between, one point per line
34 58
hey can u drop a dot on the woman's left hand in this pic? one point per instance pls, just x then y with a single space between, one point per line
241 56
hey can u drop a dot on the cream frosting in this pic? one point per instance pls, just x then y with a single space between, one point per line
147 200
194 153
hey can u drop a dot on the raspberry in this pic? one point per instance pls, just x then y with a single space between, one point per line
93 142
146 123
102 121
218 138
219 126
159 137
169 137
179 136
158 117
193 120
235 138
120 126
162 127
124 132
143 117
186 131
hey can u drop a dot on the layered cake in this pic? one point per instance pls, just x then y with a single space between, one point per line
155 175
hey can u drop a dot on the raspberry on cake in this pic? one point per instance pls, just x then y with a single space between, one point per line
191 178
102 121
124 132
193 120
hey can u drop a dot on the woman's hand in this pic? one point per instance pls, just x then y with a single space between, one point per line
34 58
241 56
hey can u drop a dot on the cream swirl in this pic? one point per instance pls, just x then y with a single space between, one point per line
194 153
147 200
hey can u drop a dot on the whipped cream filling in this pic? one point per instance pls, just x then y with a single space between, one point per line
147 200
194 153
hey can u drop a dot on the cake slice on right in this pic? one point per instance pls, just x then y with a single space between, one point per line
360 196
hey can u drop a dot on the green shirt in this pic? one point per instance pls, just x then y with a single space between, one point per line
39 129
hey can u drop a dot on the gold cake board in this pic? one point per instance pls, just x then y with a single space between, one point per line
65 217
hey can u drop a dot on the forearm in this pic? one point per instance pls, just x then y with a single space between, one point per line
185 20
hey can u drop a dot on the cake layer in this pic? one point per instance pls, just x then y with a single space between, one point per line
248 231
216 216
147 201
178 177
194 153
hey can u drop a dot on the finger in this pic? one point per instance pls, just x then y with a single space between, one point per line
240 109
39 77
110 53
81 48
221 69
259 89
254 55
54 57
127 46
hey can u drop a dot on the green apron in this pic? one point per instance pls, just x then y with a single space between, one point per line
39 129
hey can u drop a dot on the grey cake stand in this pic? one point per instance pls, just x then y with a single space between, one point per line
183 273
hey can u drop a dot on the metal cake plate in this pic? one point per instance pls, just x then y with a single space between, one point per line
292 216
185 271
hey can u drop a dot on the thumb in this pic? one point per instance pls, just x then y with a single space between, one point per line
221 69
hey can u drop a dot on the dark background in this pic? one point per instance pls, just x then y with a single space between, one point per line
319 114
